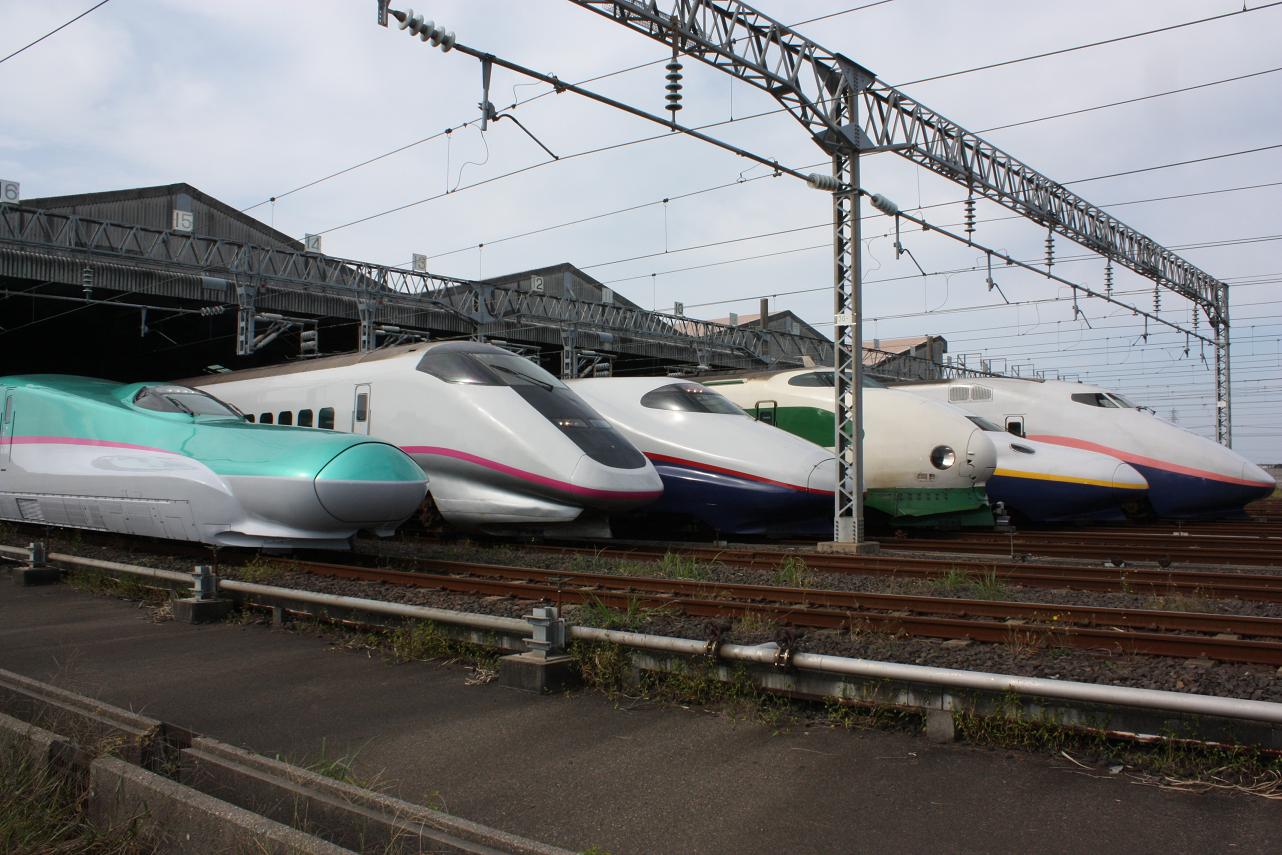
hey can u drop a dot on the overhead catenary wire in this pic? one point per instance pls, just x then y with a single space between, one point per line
1115 39
60 27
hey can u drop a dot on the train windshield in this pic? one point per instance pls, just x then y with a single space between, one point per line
180 399
486 365
485 368
689 398
829 379
1096 399
1123 402
985 424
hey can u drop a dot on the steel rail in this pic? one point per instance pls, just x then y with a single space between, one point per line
1224 585
840 610
1249 625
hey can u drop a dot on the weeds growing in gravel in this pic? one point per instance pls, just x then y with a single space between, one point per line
261 570
990 587
793 573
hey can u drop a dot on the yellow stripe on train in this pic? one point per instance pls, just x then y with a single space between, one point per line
1068 479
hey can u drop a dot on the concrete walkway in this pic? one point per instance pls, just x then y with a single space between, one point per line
581 771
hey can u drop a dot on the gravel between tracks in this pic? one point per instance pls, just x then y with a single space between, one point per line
1019 656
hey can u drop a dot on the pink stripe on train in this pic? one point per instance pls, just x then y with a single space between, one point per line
72 440
1141 460
542 480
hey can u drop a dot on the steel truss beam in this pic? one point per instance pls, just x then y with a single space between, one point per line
814 85
245 272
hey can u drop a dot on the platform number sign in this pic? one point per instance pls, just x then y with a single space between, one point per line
9 192
183 221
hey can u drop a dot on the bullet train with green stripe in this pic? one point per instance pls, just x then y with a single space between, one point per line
1189 476
508 446
924 463
167 461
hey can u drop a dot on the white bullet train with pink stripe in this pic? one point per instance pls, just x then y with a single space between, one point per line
1189 476
505 444
719 466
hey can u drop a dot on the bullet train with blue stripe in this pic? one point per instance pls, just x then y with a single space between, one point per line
719 466
1038 482
506 445
167 461
1188 476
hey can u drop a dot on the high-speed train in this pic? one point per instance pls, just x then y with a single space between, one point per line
162 460
923 462
504 442
718 465
1188 475
1040 482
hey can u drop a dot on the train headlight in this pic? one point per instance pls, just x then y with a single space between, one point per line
943 457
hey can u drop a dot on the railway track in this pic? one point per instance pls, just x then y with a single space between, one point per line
1162 548
1259 587
1190 635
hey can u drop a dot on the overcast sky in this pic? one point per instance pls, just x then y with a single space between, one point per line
249 100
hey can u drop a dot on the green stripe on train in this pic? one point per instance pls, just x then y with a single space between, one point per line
91 409
960 505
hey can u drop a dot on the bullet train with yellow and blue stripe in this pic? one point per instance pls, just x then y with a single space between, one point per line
1189 476
167 461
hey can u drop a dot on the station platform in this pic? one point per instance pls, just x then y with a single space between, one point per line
579 770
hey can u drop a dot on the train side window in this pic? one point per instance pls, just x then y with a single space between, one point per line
326 421
285 418
362 406
265 418
249 417
304 418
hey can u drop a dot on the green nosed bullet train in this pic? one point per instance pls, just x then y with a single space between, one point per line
168 461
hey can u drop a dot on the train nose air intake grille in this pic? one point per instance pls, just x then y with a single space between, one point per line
958 393
30 510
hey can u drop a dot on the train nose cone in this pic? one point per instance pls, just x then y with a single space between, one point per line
823 478
371 483
1264 483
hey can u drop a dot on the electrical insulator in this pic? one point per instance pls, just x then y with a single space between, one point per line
86 281
308 343
674 85
1157 299
1050 249
881 203
970 215
1108 278
427 31
818 181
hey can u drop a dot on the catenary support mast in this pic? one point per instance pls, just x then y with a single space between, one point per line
847 113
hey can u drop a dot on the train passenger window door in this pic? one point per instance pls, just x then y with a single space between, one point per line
6 426
361 410
285 418
326 418
304 418
1015 425
266 418
767 411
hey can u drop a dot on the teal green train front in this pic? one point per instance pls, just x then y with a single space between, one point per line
902 506
169 461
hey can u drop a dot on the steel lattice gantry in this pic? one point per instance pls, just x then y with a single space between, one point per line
847 111
216 272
